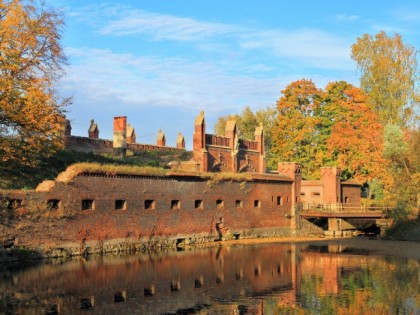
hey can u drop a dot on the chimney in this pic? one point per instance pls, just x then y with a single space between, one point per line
120 135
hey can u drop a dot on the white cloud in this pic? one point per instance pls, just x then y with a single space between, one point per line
406 15
312 47
173 82
162 26
346 17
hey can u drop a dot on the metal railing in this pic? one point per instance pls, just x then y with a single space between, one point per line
344 208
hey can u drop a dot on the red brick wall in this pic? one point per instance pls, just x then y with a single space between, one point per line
350 195
259 206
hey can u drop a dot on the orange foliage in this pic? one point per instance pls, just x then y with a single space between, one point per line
31 59
356 137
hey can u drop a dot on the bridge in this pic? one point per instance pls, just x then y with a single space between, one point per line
340 217
343 211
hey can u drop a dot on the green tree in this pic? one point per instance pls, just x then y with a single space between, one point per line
402 151
31 61
247 121
389 75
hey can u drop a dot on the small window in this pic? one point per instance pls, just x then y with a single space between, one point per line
279 201
287 199
149 204
120 205
257 204
302 194
198 282
219 203
198 204
88 204
315 193
120 296
175 204
14 204
53 204
239 204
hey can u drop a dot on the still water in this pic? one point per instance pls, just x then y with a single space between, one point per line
295 278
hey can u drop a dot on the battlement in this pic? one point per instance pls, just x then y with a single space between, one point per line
124 139
227 153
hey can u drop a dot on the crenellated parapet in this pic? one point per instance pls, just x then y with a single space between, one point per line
228 153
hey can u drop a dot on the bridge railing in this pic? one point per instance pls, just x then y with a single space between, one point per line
344 208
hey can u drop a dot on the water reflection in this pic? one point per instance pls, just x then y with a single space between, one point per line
259 279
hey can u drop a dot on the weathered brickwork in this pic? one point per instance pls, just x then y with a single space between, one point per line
174 206
330 191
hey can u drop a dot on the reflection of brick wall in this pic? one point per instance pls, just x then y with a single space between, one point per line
228 274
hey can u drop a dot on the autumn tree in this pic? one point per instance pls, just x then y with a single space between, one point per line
330 127
389 75
31 62
295 136
352 132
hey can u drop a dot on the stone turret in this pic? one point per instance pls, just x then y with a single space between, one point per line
131 134
180 141
161 139
259 139
231 132
199 142
93 130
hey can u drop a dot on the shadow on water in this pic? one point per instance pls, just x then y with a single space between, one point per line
259 279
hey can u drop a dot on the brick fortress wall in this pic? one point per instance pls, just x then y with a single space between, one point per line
124 139
170 206
153 211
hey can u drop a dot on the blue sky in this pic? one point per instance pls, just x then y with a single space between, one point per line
160 62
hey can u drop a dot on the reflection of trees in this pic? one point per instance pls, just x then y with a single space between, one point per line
379 287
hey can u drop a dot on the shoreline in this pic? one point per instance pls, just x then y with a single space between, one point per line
407 249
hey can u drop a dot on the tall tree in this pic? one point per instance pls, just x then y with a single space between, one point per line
295 134
353 132
389 75
330 127
31 61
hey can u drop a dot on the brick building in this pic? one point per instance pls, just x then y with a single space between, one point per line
229 153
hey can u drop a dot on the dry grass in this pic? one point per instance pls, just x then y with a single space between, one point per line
112 170
107 169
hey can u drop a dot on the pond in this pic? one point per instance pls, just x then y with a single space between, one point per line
328 277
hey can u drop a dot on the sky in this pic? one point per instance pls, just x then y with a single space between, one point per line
161 62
